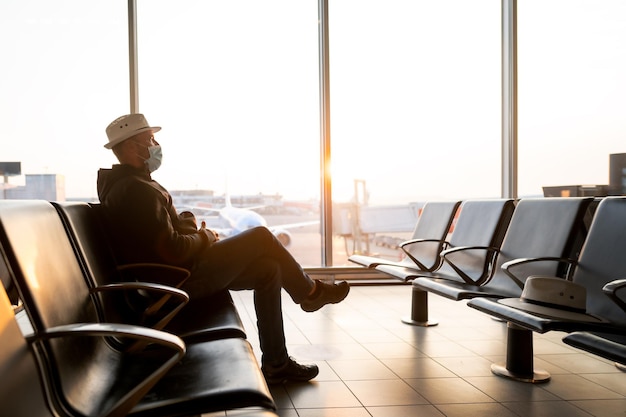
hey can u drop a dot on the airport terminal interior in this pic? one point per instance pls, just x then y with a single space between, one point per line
374 365
334 123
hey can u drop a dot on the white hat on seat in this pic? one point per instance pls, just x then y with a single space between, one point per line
555 292
127 126
553 298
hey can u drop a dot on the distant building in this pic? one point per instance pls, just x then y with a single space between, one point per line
49 187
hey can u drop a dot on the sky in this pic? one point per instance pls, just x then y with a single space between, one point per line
415 93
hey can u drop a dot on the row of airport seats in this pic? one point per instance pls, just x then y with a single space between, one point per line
499 253
100 339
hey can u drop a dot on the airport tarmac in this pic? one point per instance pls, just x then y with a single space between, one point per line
306 243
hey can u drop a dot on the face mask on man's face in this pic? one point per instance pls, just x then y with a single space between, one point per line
154 160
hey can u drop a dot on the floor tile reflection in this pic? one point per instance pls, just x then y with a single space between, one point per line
373 365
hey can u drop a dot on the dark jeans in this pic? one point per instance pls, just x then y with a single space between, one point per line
253 260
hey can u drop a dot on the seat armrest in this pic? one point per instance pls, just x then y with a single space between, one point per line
164 274
446 253
612 288
598 345
415 241
179 297
406 247
142 335
507 266
466 248
154 272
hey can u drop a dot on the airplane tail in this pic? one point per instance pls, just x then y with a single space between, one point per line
227 202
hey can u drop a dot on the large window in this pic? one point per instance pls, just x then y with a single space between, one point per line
415 101
234 84
572 61
63 78
415 107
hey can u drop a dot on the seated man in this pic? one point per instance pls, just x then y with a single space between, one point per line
145 227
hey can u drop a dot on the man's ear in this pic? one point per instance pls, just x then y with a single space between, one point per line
121 149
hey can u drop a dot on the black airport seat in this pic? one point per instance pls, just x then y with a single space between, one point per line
539 228
606 345
214 318
21 391
215 375
428 239
469 257
598 272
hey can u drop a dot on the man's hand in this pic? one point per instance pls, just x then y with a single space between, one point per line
210 234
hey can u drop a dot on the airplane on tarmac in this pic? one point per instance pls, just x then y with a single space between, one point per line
232 220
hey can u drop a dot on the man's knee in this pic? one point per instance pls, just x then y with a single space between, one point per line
262 234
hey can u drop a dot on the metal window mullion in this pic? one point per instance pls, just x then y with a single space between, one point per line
325 149
132 56
509 99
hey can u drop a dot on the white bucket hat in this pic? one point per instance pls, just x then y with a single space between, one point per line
554 298
127 126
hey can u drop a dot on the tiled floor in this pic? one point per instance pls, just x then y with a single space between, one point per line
374 365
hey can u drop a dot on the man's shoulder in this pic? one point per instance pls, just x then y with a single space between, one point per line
132 187
124 188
